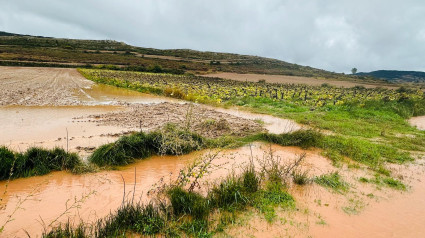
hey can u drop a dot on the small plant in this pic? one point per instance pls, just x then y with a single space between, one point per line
332 181
229 194
251 181
300 177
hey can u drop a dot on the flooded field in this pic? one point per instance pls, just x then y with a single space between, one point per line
319 213
78 115
57 103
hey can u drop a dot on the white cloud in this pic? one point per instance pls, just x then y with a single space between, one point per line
334 35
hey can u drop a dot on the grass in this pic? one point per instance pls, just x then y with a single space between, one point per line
129 218
172 140
188 203
124 151
333 181
35 161
300 177
386 181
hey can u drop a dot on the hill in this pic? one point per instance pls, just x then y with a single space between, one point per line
27 50
397 76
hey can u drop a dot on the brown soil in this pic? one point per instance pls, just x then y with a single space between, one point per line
294 80
419 122
206 122
39 86
61 87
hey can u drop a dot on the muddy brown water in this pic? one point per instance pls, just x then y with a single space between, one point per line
46 197
419 122
389 214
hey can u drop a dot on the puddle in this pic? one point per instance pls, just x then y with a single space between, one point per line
23 127
419 122
101 94
272 124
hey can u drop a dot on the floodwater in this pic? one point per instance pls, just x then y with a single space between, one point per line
272 124
419 122
389 214
46 197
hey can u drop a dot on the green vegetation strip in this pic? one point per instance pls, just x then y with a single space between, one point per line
35 161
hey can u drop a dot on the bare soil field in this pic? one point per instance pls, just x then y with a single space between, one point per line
294 80
40 86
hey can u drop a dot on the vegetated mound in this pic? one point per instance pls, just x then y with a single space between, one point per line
206 122
46 51
397 76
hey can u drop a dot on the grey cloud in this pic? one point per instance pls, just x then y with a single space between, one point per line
333 35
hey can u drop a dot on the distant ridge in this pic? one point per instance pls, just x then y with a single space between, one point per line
396 75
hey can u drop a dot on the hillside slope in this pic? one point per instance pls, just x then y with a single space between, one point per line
46 51
397 76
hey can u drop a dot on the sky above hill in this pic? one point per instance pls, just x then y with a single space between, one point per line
335 35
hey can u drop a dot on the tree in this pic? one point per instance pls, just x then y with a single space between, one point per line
354 70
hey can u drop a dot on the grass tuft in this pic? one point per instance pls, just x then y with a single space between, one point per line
332 181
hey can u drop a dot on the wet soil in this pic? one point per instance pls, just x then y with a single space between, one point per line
419 122
294 80
39 106
207 122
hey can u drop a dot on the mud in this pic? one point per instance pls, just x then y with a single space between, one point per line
207 122
294 80
49 127
62 87
419 122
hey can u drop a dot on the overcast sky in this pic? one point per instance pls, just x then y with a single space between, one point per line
335 35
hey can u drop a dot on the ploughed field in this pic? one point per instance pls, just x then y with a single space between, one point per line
330 176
